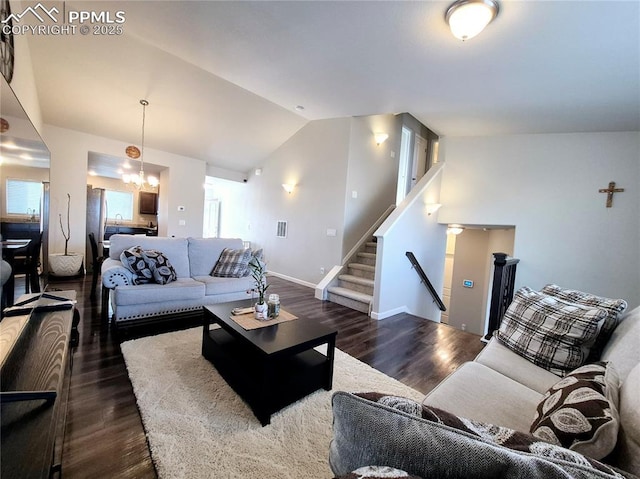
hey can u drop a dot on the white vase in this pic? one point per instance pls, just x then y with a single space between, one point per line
261 311
65 265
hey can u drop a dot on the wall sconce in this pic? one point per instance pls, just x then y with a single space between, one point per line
455 229
288 187
467 18
380 138
432 208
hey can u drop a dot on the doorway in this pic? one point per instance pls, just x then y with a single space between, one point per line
468 272
418 153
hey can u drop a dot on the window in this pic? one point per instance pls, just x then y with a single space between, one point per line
119 205
23 197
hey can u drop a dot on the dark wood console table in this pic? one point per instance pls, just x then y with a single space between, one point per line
34 388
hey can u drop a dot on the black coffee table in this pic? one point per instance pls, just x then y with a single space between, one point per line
269 367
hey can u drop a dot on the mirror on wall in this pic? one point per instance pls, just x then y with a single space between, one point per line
24 174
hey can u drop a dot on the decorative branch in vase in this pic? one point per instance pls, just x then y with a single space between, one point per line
66 235
259 275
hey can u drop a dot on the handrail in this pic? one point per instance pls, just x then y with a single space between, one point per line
425 280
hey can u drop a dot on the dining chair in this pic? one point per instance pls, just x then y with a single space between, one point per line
28 265
96 264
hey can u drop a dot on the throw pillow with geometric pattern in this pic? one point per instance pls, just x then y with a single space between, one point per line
613 307
160 266
550 332
232 263
580 412
133 260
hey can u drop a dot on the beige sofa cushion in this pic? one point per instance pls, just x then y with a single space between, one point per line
627 452
477 392
501 359
623 349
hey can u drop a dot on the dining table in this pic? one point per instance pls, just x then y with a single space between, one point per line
9 249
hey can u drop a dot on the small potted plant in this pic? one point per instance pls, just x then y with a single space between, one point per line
258 273
67 264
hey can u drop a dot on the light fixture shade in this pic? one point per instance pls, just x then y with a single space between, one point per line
432 208
381 138
288 187
455 229
467 18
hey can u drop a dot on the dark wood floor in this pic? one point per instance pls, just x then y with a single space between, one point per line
104 436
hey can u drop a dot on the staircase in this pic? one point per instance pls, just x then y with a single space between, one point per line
355 285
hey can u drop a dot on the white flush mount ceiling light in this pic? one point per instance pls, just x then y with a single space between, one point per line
467 18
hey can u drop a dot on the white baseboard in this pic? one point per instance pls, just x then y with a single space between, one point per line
387 314
293 280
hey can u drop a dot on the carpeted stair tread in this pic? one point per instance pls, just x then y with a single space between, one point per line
356 279
367 255
348 293
363 267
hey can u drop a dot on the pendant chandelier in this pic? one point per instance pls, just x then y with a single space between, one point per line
139 180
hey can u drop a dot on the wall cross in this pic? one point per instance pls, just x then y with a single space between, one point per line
610 191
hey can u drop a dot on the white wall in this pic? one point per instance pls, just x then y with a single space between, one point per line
371 173
398 287
315 160
547 186
181 183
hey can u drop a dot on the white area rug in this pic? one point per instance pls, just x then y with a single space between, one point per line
198 427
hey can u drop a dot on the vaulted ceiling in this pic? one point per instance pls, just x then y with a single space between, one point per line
224 78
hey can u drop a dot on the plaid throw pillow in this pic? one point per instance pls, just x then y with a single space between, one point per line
233 263
550 332
613 307
580 412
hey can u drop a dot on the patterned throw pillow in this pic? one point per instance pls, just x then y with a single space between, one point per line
378 472
489 433
133 260
256 256
160 266
548 331
580 412
613 307
232 263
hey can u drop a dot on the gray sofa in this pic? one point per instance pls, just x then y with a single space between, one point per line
499 387
193 260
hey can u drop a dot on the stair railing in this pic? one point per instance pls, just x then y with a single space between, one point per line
504 278
425 280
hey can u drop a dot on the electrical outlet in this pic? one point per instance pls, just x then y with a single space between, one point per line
321 270
463 327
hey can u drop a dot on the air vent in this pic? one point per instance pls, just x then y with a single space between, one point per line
282 229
